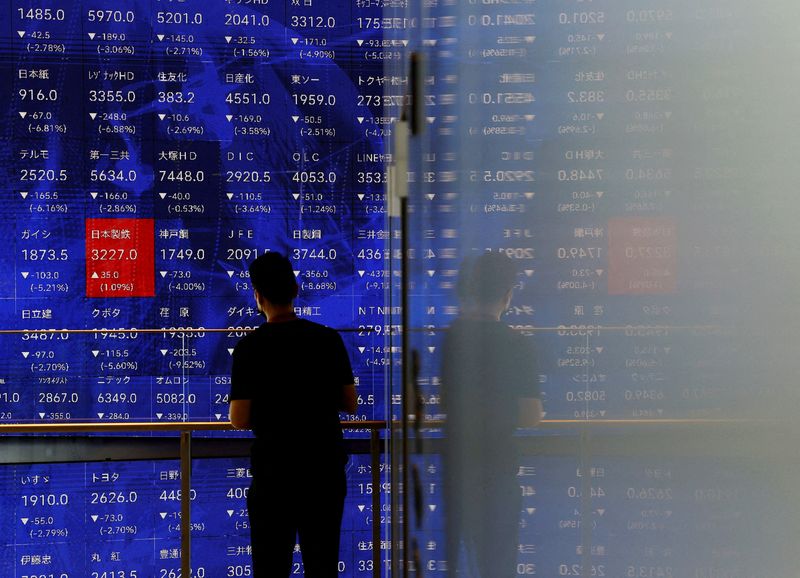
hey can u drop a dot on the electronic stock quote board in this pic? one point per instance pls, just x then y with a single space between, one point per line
151 151
154 149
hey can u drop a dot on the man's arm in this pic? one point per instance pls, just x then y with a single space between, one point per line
240 413
241 382
349 401
530 412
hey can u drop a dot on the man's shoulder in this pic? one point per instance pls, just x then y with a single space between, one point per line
482 333
485 327
251 338
300 328
318 328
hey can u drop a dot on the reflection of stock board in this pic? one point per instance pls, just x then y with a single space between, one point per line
628 159
153 151
632 158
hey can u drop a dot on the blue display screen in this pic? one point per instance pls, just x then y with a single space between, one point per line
122 520
153 150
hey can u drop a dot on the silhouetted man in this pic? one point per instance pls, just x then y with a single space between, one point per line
489 388
290 379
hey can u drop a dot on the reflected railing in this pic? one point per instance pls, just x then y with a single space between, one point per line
185 429
762 444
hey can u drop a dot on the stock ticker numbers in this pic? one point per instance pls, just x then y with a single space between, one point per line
154 150
122 520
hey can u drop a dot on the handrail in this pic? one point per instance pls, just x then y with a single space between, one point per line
154 330
185 429
563 423
176 426
535 329
190 426
658 421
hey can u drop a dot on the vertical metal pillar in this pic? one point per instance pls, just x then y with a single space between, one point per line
375 468
405 341
586 502
186 504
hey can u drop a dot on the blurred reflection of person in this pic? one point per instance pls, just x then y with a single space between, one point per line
489 388
290 379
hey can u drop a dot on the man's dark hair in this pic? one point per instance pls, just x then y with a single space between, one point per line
272 276
487 278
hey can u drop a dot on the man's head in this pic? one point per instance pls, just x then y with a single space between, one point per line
273 278
487 280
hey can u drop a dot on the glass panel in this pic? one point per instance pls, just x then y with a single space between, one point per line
634 161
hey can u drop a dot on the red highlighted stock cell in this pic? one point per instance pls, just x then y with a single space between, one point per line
642 256
120 257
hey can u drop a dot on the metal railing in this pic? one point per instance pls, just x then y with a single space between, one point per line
185 429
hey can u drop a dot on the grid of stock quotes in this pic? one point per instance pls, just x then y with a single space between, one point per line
122 520
154 150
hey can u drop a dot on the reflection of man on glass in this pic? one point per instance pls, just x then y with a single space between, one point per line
290 379
489 388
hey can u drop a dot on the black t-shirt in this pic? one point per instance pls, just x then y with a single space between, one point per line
487 367
293 372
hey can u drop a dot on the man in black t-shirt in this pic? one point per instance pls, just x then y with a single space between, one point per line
489 388
290 379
